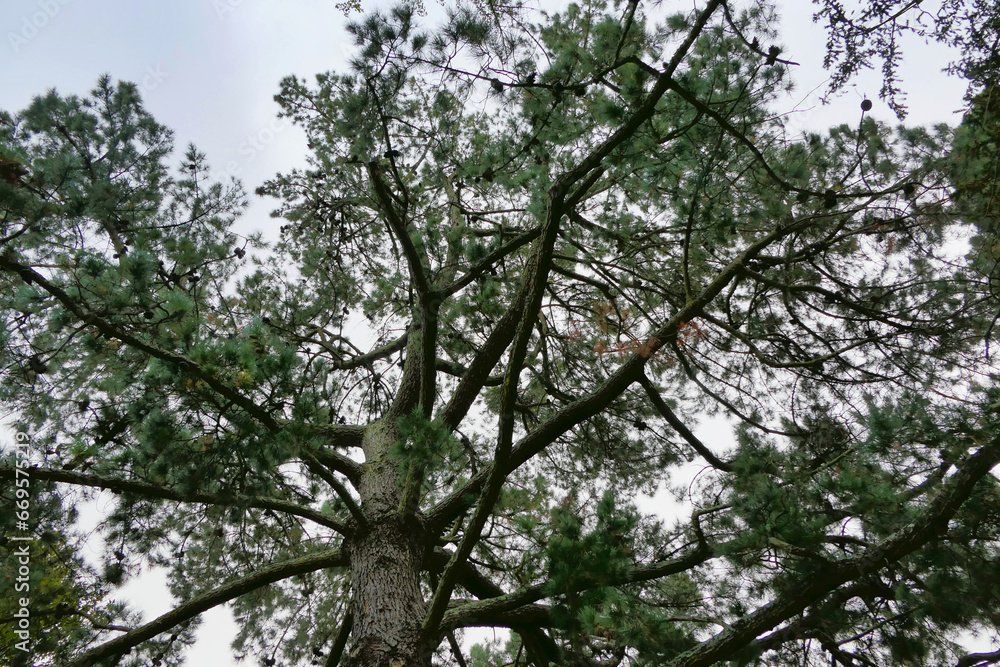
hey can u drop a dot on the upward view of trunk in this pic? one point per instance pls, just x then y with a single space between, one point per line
385 559
388 607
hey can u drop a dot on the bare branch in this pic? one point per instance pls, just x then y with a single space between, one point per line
150 491
188 610
668 414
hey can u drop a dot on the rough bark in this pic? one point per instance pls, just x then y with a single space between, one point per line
385 562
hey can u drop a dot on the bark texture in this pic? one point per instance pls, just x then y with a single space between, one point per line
385 559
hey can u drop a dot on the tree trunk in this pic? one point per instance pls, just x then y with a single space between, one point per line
385 563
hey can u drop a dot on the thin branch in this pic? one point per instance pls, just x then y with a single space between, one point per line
492 258
481 611
343 633
339 463
189 367
626 26
397 226
663 83
188 610
490 352
321 471
668 414
456 650
889 19
458 370
419 270
151 491
977 659
366 359
833 575
753 45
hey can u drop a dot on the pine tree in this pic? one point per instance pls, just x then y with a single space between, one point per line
523 261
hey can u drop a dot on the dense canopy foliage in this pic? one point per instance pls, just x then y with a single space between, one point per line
529 253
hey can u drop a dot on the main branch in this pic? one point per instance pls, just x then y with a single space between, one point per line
124 644
151 491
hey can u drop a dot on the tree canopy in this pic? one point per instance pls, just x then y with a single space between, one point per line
529 253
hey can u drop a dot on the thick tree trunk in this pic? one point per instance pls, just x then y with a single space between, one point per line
385 560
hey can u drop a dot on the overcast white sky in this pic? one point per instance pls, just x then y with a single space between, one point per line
210 68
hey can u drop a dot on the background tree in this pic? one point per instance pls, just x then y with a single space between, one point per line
976 175
69 603
521 262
